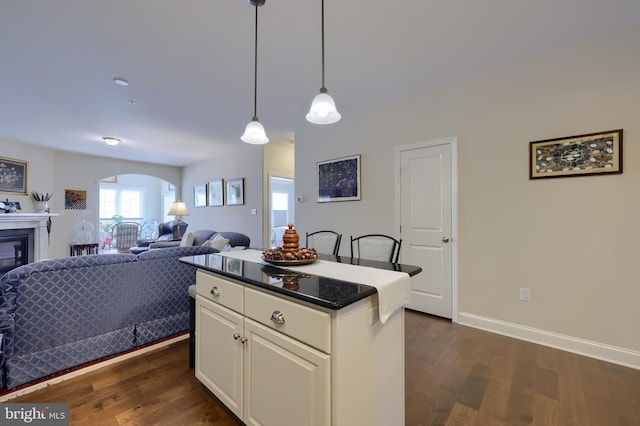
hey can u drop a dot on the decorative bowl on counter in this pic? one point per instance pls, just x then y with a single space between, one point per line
282 257
294 262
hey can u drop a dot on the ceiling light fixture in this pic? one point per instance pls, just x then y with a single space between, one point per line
120 81
111 141
254 132
323 109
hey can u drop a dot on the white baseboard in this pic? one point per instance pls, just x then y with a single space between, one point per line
601 351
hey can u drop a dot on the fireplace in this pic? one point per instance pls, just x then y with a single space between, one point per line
16 248
36 223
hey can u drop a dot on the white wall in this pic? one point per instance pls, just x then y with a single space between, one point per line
243 162
573 241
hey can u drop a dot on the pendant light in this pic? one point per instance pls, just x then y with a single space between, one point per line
254 132
323 109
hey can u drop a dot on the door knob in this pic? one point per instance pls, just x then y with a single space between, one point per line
445 239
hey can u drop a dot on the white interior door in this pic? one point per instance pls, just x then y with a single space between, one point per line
426 208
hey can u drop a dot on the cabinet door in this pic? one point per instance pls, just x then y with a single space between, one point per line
287 383
218 353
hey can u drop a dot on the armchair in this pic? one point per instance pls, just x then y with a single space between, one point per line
124 235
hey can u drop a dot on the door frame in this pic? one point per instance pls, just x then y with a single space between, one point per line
266 219
453 142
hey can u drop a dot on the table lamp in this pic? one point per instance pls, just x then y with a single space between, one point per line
178 209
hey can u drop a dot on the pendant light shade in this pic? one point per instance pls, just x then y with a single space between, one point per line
254 132
323 108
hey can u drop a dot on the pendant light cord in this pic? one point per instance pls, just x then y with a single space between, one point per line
255 70
323 88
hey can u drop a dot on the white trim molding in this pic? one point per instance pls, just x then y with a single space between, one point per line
626 357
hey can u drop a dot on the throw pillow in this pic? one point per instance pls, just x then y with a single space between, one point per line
218 241
187 240
207 243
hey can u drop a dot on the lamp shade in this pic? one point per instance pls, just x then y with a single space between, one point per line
178 208
323 110
254 133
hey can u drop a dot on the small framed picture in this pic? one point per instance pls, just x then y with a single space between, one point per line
13 176
215 193
235 192
590 154
339 179
200 195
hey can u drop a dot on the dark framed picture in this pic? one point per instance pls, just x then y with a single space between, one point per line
339 179
235 191
590 154
13 176
200 195
215 193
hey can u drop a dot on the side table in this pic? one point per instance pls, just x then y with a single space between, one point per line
78 249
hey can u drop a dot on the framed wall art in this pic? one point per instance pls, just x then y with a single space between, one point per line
75 199
235 191
215 193
339 179
590 154
13 176
200 195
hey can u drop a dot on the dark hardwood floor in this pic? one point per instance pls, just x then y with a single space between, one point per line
455 375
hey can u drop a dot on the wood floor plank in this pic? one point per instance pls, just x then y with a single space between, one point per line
461 415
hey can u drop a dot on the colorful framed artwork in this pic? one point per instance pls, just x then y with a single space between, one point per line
339 179
235 192
13 176
200 195
215 193
75 199
590 154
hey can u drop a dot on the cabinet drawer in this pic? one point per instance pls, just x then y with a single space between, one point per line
305 324
219 290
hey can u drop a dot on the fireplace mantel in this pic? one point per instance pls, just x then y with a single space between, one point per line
35 221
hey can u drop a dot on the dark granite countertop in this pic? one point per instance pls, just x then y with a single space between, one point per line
318 290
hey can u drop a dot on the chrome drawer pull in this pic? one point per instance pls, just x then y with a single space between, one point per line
244 339
236 336
277 317
215 292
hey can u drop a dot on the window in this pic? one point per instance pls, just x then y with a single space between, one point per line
126 202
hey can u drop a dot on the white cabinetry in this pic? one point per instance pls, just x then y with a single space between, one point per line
274 360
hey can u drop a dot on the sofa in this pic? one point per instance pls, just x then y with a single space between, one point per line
61 313
206 237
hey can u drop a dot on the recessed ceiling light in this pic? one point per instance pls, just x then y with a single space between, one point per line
120 81
111 141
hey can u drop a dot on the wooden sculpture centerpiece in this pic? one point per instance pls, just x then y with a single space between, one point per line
290 253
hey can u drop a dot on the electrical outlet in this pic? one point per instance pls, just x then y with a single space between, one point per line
525 294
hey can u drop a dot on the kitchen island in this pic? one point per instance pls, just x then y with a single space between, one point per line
286 347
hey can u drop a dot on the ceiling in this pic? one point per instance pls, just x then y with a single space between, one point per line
190 63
